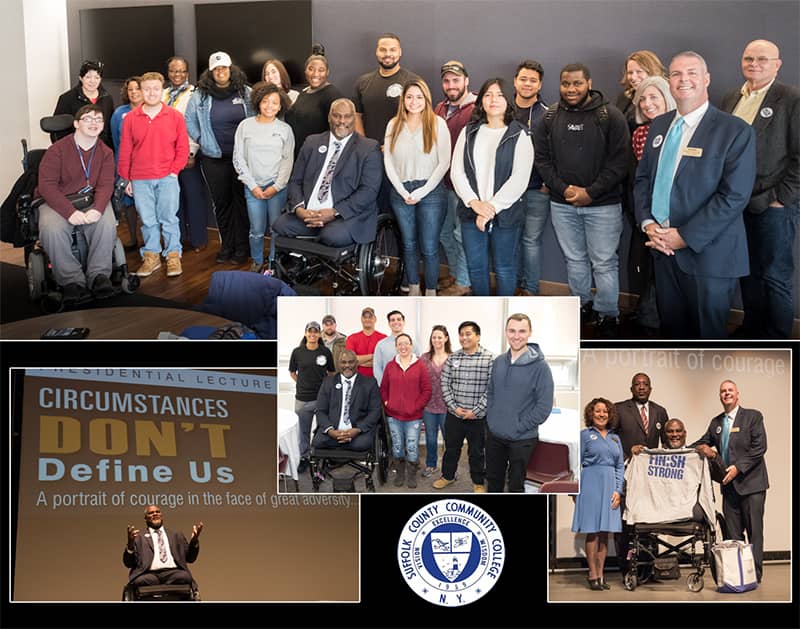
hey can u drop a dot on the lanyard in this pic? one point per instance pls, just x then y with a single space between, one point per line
86 169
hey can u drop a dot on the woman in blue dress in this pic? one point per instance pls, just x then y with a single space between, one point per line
597 511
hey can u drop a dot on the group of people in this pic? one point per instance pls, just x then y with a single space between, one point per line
734 446
713 196
495 403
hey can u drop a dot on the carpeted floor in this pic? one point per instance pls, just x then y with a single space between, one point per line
15 304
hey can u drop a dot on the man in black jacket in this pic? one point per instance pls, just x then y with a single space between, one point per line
582 147
773 110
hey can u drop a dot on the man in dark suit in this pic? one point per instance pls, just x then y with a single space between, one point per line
740 439
692 185
773 110
334 184
640 421
640 424
160 556
348 408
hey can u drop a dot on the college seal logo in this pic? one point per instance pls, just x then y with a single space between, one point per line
451 552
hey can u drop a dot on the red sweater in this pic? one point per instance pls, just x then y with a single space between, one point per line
405 393
61 173
152 148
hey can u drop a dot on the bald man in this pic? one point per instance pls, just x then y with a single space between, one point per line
773 110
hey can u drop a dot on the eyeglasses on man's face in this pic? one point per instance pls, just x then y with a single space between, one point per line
92 119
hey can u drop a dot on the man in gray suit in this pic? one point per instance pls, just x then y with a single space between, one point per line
773 110
740 439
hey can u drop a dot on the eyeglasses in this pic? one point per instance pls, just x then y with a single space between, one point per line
91 119
178 72
760 60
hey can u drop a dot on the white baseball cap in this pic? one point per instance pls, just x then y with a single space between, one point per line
219 59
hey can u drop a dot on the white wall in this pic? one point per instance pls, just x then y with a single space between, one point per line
31 31
686 383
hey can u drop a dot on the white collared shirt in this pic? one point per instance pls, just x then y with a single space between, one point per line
328 201
157 563
352 381
690 122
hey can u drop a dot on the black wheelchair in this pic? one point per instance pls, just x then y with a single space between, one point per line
42 286
363 463
654 558
153 593
374 268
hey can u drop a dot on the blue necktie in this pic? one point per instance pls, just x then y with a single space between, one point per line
726 433
666 166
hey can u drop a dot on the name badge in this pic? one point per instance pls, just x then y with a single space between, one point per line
657 141
766 112
693 151
734 428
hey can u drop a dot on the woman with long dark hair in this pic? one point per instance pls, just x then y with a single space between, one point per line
435 411
219 103
131 94
492 162
416 156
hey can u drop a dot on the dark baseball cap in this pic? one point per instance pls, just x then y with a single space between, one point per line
328 319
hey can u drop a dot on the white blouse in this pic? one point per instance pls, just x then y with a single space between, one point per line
409 162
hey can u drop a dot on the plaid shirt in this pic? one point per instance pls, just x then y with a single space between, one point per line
465 378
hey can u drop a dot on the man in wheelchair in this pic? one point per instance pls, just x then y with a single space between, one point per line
334 184
669 494
348 408
78 166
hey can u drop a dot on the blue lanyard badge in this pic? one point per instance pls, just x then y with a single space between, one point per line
87 170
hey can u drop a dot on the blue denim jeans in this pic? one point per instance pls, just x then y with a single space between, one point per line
537 207
433 423
504 242
405 439
767 293
451 242
589 237
262 214
157 202
420 227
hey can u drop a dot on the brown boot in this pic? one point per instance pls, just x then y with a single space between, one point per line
174 264
401 473
152 262
411 475
456 290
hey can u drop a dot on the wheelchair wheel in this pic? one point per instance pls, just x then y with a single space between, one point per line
36 270
630 581
380 263
695 582
382 455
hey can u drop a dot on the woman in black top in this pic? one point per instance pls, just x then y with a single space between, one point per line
309 114
88 91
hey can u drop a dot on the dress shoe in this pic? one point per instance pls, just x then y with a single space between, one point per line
594 584
604 585
101 287
607 328
588 314
240 258
303 466
223 256
73 292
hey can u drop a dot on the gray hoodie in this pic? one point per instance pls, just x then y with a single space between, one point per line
520 395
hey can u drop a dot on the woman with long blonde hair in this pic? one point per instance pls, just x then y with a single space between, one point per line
416 157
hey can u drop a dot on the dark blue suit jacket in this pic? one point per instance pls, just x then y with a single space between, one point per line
747 445
709 193
356 181
365 403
